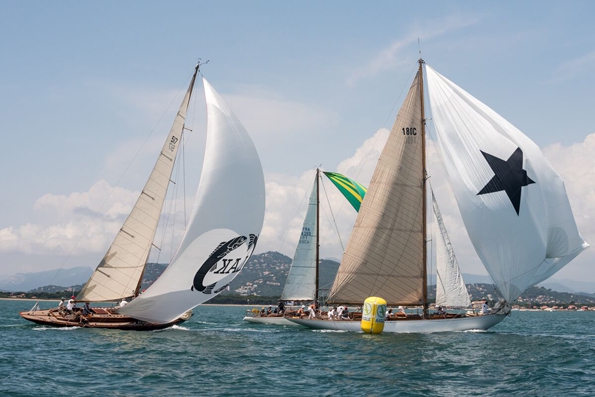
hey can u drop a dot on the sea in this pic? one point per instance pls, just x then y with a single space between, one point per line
216 353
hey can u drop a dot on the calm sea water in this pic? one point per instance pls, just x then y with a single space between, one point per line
217 354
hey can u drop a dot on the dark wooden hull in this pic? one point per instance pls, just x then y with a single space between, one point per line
102 318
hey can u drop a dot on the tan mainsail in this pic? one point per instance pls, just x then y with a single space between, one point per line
121 269
384 256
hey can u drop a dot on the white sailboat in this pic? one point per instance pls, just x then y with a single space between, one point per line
513 204
220 238
301 284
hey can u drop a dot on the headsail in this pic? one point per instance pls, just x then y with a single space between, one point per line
384 256
301 280
119 273
353 191
227 218
450 287
513 203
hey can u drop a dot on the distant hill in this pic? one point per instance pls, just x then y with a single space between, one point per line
31 281
264 276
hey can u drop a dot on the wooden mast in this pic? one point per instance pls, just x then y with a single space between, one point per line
317 233
424 198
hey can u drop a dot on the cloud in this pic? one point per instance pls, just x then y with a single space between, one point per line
575 67
576 165
266 115
82 222
287 195
398 53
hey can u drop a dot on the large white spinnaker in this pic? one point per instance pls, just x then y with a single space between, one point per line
227 218
450 287
301 280
513 203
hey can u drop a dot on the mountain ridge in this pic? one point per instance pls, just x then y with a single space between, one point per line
263 275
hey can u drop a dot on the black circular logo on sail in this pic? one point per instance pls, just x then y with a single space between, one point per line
220 262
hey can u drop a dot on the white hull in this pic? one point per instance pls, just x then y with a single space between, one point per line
269 320
410 326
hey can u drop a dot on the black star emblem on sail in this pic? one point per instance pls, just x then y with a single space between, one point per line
509 176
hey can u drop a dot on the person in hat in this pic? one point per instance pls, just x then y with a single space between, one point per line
87 309
301 311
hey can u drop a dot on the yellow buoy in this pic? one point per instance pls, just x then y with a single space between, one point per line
373 315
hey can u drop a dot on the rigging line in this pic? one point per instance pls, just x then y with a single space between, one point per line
172 204
293 220
333 218
184 177
397 101
115 186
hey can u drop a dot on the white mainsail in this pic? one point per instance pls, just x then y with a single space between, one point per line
384 255
227 218
301 280
120 271
450 287
514 205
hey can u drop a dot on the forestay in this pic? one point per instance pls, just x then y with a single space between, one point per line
119 272
224 227
301 280
450 287
514 205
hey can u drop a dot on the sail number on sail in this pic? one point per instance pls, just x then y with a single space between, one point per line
306 234
411 133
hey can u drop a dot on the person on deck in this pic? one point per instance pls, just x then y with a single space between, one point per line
345 314
87 309
312 311
485 309
332 314
70 306
389 313
301 311
281 307
61 305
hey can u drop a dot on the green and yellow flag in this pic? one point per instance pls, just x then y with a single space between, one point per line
354 192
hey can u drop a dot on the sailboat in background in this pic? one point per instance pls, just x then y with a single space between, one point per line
451 291
302 283
514 206
220 238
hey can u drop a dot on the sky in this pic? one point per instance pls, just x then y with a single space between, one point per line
89 91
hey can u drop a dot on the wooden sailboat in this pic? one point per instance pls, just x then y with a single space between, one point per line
220 238
516 211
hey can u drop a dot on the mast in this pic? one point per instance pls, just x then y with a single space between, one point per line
190 88
317 233
424 193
